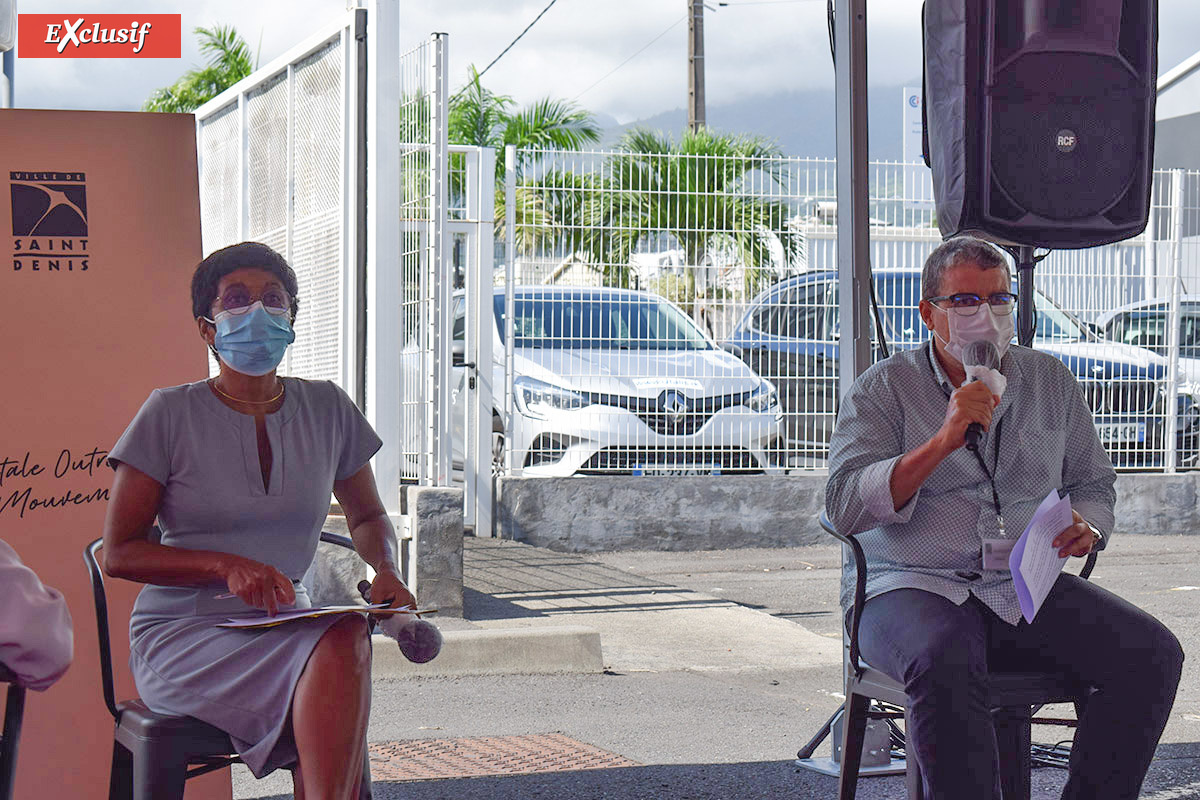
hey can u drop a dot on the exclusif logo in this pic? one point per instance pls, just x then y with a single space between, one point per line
100 35
49 221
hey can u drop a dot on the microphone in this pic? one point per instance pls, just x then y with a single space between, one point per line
981 353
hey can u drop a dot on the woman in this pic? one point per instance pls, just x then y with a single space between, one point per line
238 470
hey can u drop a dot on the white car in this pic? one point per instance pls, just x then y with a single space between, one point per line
615 381
1144 324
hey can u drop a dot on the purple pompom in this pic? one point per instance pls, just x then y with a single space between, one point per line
419 641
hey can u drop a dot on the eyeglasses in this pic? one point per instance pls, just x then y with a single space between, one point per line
965 305
237 300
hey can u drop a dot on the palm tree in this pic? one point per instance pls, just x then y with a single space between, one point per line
483 118
698 194
229 61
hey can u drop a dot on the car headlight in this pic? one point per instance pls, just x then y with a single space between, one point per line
539 399
763 398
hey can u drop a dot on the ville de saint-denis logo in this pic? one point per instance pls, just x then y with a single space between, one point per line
49 221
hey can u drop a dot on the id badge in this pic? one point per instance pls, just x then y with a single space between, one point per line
996 553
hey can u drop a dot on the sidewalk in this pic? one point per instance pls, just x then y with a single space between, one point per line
643 624
700 697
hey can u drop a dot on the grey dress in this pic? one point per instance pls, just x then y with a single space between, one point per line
205 455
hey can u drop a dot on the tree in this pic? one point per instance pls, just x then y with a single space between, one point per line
483 118
229 61
699 194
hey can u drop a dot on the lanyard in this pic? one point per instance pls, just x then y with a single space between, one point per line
991 478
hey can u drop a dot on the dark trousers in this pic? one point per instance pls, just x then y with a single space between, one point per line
942 654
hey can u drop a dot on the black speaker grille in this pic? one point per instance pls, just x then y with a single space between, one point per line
1066 134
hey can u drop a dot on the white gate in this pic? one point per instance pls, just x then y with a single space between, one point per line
446 221
477 373
425 308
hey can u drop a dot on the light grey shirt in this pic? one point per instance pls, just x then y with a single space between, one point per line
1047 440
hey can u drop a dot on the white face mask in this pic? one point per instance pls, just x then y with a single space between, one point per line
982 325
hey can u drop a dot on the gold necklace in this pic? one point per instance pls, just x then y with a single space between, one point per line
213 383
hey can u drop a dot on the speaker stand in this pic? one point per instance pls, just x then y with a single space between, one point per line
1026 312
833 766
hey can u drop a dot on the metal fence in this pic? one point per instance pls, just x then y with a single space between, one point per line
276 164
424 311
652 292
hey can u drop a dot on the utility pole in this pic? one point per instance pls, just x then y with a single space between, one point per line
696 65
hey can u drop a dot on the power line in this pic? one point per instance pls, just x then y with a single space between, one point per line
626 61
510 46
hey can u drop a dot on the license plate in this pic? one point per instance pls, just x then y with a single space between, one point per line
1121 432
677 469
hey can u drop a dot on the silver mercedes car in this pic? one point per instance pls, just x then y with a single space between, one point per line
615 381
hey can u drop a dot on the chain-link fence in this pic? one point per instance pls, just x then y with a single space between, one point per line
654 292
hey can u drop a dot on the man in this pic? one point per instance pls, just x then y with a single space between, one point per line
35 626
922 505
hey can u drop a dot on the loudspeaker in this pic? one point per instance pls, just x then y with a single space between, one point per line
1039 118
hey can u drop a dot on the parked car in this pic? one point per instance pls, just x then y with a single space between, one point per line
1144 324
612 381
789 334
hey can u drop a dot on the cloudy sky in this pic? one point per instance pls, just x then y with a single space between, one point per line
623 58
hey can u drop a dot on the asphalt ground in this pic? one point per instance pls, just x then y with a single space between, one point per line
720 665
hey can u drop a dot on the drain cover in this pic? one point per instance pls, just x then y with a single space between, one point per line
430 759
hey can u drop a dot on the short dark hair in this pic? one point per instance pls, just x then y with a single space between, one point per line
246 255
955 251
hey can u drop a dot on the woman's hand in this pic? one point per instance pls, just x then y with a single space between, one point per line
388 588
257 584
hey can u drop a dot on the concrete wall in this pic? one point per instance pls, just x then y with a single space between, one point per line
436 521
436 515
714 513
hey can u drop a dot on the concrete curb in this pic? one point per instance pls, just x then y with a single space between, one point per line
497 651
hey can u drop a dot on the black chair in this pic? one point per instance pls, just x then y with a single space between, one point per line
1012 697
154 755
14 712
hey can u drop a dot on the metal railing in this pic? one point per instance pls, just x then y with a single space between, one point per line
652 293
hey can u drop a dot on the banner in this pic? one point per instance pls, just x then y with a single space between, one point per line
99 214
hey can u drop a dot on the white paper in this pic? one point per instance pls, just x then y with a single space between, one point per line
297 613
1035 562
264 621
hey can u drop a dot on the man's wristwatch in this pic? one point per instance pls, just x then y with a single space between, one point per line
1099 542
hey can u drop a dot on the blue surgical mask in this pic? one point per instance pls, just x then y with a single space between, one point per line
252 341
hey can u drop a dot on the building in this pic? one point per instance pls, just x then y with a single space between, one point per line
1177 117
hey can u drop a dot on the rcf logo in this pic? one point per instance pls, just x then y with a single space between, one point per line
100 35
49 221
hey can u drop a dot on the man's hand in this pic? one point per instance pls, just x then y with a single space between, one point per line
971 402
1077 539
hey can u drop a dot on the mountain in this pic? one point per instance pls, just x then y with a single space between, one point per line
802 123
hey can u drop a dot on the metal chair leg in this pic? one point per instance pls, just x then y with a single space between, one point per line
120 776
1013 739
14 712
159 772
854 730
